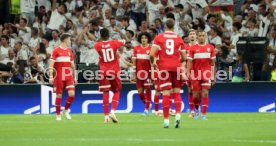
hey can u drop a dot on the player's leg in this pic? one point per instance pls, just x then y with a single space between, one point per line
191 100
140 88
196 88
177 84
156 102
70 87
205 98
116 87
58 89
166 87
105 87
147 87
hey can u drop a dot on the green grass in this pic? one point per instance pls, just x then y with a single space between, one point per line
224 129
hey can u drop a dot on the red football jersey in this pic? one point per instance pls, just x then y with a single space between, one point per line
141 56
202 57
188 48
63 59
109 58
169 47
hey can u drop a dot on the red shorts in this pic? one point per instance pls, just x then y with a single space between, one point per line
169 80
143 83
197 85
107 84
189 83
59 85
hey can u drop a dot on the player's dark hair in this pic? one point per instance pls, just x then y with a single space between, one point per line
104 33
144 34
64 37
5 37
24 19
170 23
238 25
192 30
131 32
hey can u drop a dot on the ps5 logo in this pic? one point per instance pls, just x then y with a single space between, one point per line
47 103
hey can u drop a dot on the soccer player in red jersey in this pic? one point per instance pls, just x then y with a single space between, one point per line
192 42
142 68
171 53
62 62
109 72
202 58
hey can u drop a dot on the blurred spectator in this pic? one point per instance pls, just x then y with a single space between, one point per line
57 18
215 38
55 39
273 71
23 30
27 8
241 71
250 30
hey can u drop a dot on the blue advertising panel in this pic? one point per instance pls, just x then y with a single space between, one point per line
228 97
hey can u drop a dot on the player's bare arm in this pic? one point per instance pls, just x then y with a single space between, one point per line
51 71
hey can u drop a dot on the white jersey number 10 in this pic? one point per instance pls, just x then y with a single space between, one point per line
108 55
169 46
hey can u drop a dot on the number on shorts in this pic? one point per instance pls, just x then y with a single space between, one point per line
170 46
108 55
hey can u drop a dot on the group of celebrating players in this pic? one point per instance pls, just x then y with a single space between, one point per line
167 62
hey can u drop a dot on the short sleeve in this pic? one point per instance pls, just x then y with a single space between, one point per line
54 55
156 42
72 56
191 55
134 56
182 46
213 53
120 43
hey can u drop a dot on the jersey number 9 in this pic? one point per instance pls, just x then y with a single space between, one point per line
169 46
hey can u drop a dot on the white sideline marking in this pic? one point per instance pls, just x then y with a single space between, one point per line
254 141
92 139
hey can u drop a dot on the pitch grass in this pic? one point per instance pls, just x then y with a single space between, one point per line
222 129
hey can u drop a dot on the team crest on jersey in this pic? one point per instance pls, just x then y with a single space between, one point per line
60 54
69 53
208 49
148 52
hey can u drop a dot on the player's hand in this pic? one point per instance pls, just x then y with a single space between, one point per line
214 82
51 80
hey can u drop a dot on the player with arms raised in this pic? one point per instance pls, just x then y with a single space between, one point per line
171 52
109 72
142 69
202 58
62 62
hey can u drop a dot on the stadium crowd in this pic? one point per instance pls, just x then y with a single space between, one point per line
33 27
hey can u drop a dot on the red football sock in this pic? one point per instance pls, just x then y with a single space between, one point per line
142 97
191 101
69 101
197 103
58 105
148 98
166 106
105 102
177 103
171 98
115 100
156 103
205 102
